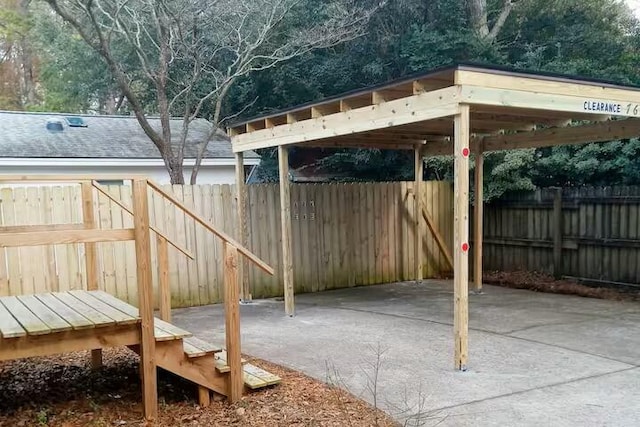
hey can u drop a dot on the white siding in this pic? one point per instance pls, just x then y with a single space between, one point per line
209 174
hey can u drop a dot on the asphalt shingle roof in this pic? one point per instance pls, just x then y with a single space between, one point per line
24 135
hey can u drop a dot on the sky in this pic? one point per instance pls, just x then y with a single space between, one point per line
635 5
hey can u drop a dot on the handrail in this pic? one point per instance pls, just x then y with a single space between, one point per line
221 234
152 227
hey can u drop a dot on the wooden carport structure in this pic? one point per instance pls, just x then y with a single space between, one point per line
459 110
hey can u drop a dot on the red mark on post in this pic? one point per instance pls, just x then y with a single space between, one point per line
465 152
465 247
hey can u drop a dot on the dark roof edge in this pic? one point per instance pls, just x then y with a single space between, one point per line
468 66
92 116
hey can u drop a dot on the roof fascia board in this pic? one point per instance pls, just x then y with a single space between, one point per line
424 106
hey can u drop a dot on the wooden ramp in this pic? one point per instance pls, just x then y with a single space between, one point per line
60 322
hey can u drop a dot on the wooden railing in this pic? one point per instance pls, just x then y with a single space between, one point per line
89 234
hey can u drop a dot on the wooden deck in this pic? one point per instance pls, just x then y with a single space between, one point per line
61 322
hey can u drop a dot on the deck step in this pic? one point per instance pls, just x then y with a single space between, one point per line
195 347
253 376
221 362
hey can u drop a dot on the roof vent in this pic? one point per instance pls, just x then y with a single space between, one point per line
55 125
76 122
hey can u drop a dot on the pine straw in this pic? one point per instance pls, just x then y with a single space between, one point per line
540 282
64 391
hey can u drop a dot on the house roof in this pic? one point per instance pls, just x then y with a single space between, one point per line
25 135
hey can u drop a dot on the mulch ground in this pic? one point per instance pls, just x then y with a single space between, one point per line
540 282
65 391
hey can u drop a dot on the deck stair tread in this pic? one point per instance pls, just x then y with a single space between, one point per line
253 376
195 347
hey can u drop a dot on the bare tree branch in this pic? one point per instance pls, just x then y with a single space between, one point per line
180 58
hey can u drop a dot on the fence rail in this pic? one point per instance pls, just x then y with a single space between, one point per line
343 235
590 233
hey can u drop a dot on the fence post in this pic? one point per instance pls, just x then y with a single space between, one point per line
557 233
90 254
232 321
163 278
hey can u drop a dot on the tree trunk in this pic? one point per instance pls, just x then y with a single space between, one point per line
478 17
174 167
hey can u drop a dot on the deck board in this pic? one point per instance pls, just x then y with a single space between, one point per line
94 316
29 321
106 309
75 319
163 331
9 326
44 313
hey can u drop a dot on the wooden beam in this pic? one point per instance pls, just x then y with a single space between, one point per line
163 278
514 99
442 245
232 322
285 219
363 144
593 132
241 203
38 227
145 299
461 238
478 215
541 85
418 166
62 237
69 341
221 234
124 207
415 108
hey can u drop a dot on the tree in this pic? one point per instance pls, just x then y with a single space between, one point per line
17 68
182 57
479 18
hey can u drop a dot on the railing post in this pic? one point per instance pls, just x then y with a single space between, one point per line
163 278
145 297
232 321
90 254
241 196
417 203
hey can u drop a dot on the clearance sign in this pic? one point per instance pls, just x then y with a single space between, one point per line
611 108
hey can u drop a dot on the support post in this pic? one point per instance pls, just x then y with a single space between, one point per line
461 238
163 278
241 196
417 225
145 298
285 218
90 254
478 215
232 322
557 233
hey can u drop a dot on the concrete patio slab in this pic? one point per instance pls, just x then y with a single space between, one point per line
535 359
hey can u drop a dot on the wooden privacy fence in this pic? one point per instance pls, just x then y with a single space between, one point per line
588 233
343 235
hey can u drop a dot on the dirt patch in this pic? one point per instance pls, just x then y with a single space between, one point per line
540 282
64 391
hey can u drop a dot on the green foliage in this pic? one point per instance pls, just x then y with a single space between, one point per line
592 38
